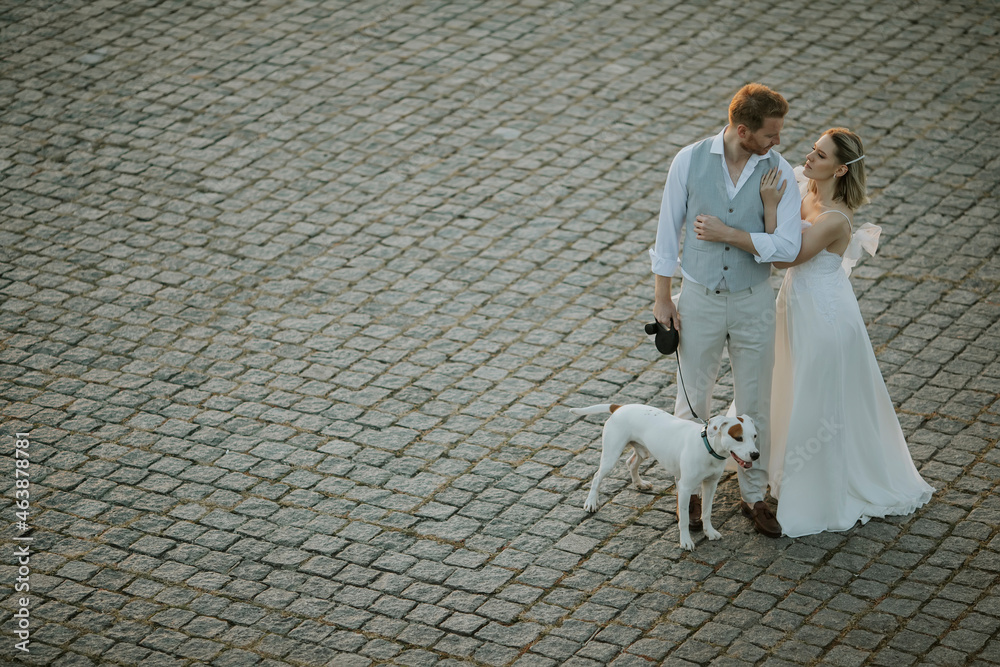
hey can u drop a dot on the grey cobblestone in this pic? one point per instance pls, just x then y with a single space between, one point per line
293 297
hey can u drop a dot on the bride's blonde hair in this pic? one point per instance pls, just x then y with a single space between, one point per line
852 187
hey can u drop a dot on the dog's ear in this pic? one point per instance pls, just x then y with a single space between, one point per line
736 431
714 426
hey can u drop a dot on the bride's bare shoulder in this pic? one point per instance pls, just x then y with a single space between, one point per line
837 212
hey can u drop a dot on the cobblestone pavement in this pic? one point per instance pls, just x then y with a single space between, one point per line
295 295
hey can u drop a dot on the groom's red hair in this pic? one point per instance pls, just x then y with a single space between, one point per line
753 103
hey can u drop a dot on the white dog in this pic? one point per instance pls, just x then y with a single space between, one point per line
680 447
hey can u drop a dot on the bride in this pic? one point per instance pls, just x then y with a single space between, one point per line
837 451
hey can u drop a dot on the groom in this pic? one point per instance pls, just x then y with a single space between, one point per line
726 299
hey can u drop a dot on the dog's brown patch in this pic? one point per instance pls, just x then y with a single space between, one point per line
739 419
736 430
614 406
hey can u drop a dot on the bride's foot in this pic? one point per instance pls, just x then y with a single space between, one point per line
763 519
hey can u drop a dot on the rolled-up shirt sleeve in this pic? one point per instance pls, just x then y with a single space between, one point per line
672 211
784 244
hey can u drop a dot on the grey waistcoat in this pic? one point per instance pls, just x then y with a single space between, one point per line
708 262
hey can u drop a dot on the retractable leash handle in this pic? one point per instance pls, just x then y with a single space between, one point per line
667 340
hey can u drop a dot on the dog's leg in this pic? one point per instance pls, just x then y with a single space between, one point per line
708 487
639 454
683 520
611 449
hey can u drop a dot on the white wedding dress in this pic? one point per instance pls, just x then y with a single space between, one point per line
837 451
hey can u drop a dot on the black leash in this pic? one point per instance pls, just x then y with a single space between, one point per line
704 429
667 341
681 376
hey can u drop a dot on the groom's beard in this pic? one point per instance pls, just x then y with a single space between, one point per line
754 148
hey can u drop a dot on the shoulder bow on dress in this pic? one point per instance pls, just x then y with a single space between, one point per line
863 240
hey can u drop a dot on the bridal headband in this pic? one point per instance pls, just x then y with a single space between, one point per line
855 160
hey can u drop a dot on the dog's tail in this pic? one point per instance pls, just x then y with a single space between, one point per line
595 409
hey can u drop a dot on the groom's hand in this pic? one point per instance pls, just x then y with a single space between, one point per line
710 228
665 313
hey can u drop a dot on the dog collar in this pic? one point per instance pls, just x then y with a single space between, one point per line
704 438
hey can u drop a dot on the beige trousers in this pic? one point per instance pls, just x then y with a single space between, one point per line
743 322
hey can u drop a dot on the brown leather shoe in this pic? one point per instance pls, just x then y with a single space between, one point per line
764 521
694 514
